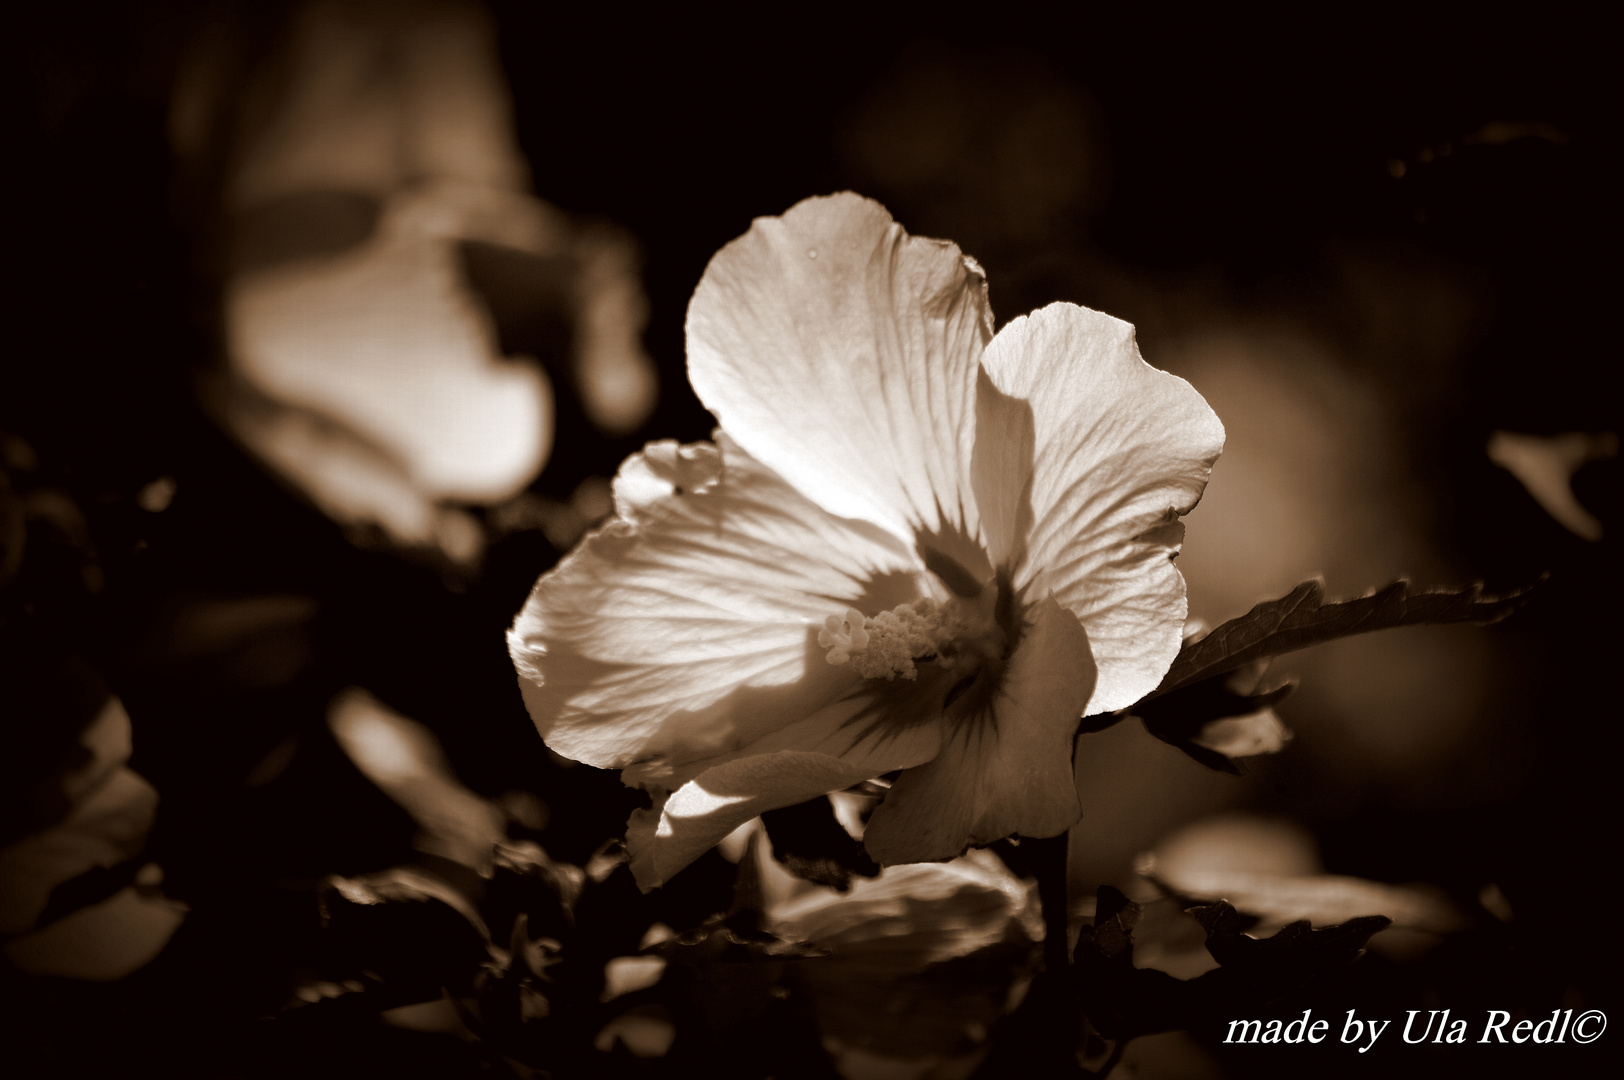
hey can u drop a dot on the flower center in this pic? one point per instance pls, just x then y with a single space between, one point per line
960 635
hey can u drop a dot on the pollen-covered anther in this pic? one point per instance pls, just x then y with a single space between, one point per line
887 645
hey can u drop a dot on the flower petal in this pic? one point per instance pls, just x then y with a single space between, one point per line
1010 773
694 818
843 353
687 627
1121 451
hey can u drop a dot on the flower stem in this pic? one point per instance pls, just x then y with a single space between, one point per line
1048 860
1041 1037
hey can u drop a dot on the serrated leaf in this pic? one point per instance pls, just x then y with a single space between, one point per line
1115 916
1276 965
1220 718
1120 1000
1123 1001
1302 618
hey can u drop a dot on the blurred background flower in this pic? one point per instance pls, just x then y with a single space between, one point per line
376 240
79 896
76 897
920 962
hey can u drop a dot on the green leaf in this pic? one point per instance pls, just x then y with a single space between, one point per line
1302 618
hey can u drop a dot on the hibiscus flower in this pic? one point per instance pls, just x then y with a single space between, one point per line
914 545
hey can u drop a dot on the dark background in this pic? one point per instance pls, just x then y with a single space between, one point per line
1224 166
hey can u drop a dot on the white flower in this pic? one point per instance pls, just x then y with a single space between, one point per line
914 546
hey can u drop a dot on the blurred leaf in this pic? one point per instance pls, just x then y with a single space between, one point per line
811 844
408 884
646 1032
526 884
106 827
538 955
104 941
65 734
628 974
1546 465
1319 898
405 760
90 887
609 857
411 927
1302 618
